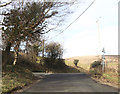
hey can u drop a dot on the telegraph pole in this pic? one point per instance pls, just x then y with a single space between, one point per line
99 42
43 44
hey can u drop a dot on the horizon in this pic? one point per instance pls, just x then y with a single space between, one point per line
88 56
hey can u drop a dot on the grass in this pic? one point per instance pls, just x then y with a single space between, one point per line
79 68
15 77
83 62
111 74
111 78
20 75
106 76
69 63
65 69
62 68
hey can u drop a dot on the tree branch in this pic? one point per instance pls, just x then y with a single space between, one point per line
6 4
48 30
42 18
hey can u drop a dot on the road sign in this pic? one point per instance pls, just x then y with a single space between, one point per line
103 60
103 50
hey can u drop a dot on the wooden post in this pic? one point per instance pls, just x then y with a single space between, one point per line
99 42
43 48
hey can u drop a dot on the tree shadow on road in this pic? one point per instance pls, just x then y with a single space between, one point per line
67 69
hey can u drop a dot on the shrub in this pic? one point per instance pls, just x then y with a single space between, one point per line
76 62
95 64
23 60
54 63
96 68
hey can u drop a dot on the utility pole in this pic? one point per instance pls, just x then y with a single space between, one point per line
99 42
21 1
43 45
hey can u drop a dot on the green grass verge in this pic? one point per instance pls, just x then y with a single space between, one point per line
106 76
69 63
15 77
111 77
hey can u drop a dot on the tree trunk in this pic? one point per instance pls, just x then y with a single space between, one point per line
16 57
16 53
7 53
8 46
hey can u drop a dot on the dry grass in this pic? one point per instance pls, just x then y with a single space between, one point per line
15 77
111 74
20 75
86 61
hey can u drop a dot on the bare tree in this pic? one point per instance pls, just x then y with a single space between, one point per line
27 23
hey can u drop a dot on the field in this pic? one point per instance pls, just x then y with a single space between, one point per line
111 69
85 61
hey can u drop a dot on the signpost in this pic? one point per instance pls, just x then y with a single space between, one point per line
103 60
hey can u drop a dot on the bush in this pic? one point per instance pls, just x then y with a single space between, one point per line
5 57
23 60
54 53
76 62
95 64
54 50
53 63
96 69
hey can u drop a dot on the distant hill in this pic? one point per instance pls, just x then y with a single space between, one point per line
91 59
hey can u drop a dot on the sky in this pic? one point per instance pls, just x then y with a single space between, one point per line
82 37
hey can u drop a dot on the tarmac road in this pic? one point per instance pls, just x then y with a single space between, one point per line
72 83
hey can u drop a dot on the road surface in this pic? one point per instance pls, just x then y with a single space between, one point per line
68 83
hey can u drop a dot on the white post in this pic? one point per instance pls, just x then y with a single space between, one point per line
99 42
103 60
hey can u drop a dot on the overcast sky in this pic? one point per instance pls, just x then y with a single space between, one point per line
81 38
